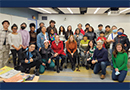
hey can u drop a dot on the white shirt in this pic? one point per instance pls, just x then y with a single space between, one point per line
110 38
62 37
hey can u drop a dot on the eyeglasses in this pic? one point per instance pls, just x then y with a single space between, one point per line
14 28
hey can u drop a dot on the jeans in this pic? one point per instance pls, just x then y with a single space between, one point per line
119 77
111 56
14 54
101 66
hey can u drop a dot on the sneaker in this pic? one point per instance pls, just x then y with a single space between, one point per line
58 70
36 72
87 67
61 68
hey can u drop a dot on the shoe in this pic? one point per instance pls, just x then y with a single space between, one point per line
65 66
58 70
73 68
92 67
87 67
36 72
27 70
102 76
61 68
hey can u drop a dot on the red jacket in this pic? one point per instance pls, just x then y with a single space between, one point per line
82 31
58 49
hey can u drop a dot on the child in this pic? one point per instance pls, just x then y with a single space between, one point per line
52 35
91 48
101 37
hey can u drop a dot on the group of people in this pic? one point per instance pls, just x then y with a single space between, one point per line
95 49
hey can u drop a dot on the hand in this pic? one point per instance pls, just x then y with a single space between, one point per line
125 45
39 48
17 49
43 64
87 52
88 59
93 61
31 60
49 61
84 51
26 61
72 54
55 54
116 69
113 40
77 35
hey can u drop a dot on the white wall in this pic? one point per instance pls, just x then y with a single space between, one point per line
120 21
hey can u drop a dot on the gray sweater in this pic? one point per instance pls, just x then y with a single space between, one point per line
79 38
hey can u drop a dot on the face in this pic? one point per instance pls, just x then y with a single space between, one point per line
71 38
14 29
57 38
87 26
77 31
32 28
23 25
61 28
91 43
69 28
52 24
85 38
6 25
119 48
32 47
113 28
90 29
43 29
100 28
120 31
79 26
41 25
102 35
107 29
52 31
46 44
99 46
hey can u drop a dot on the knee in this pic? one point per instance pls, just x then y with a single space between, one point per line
42 69
120 79
52 65
95 71
103 64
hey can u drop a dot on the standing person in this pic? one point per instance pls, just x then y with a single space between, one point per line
69 32
52 25
100 29
33 35
62 34
41 37
111 40
121 39
4 44
100 59
71 47
90 52
80 27
101 37
47 55
91 34
30 58
57 47
83 50
120 60
87 25
15 41
52 35
25 36
39 29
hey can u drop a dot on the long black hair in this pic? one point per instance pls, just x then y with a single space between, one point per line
93 44
76 30
60 30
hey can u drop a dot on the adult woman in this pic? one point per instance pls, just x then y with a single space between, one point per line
15 41
100 59
69 32
57 47
47 54
52 35
71 47
30 58
83 50
33 35
62 34
41 37
119 59
91 34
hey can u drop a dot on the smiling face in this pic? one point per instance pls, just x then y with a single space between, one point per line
91 44
100 28
119 48
77 31
14 29
57 38
5 25
32 28
31 47
90 29
71 38
69 28
46 44
99 46
43 29
80 26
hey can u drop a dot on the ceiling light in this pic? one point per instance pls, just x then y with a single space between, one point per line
70 10
124 10
96 10
44 10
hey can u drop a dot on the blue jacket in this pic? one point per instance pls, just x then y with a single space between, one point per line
100 55
41 39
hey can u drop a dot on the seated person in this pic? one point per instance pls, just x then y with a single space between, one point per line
119 59
100 59
47 55
30 58
57 47
101 37
91 49
83 48
71 47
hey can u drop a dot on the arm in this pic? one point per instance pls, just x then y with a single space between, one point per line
60 51
38 56
38 41
67 47
75 48
80 47
28 38
125 62
94 55
20 39
128 44
113 61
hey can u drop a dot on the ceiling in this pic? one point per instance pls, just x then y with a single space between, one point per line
76 10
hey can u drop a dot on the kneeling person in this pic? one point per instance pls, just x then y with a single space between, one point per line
46 53
31 58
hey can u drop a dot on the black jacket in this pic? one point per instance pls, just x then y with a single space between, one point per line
46 53
38 31
123 40
35 53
